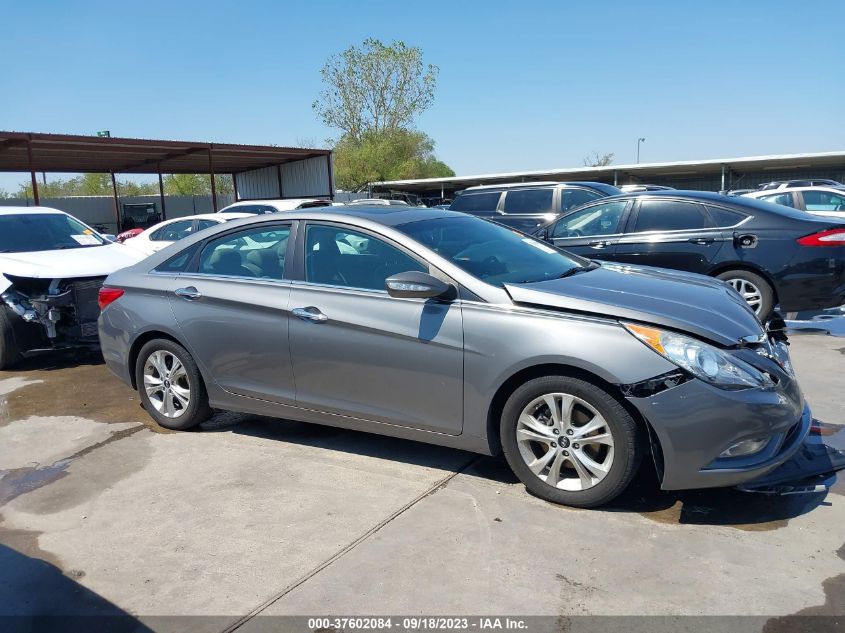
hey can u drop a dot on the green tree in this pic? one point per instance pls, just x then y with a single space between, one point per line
196 184
375 88
100 185
387 155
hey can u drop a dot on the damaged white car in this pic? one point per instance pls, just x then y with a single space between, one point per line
51 269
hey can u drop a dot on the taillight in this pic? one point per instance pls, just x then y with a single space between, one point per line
107 296
831 237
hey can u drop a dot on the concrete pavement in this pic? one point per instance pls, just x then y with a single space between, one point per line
105 512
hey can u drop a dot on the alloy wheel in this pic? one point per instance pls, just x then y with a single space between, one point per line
748 291
166 383
565 441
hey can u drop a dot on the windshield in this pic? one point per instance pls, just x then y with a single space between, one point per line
492 252
28 232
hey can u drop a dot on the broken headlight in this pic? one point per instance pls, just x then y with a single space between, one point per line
703 361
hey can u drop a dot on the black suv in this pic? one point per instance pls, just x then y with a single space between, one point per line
525 206
769 253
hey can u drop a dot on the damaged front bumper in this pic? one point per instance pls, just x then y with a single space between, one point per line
53 313
811 469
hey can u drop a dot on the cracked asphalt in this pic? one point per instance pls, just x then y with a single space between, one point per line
103 512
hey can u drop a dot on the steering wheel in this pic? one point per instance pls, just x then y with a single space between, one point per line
574 233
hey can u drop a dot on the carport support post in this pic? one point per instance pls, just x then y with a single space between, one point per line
32 173
723 179
116 204
161 194
615 177
235 185
211 174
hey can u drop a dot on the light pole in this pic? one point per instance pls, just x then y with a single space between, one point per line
639 140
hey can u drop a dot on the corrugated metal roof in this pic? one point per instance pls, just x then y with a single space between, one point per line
90 154
641 170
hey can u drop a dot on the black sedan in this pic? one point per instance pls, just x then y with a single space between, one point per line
770 254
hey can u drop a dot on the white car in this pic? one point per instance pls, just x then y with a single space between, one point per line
51 269
165 233
825 201
259 207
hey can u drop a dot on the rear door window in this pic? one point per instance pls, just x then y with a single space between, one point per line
477 202
571 198
256 253
670 215
529 201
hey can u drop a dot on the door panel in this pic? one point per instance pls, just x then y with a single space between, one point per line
671 234
238 331
359 352
233 312
375 357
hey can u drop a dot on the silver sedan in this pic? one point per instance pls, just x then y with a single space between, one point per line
440 327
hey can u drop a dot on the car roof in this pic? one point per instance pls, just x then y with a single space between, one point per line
386 215
18 210
526 185
711 196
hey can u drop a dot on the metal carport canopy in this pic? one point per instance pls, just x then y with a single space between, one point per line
642 171
90 154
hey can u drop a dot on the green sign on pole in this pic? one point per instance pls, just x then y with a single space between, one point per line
105 133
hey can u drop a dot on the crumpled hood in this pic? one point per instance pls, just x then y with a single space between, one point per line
704 307
94 261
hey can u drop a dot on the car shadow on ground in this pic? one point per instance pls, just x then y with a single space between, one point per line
718 506
36 596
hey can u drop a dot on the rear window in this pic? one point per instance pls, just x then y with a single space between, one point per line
670 215
529 201
475 202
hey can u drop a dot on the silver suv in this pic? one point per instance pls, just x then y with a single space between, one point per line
527 206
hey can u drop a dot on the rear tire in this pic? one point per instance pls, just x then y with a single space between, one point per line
756 291
584 454
9 352
170 385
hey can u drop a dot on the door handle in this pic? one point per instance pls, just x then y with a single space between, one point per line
310 314
190 293
599 244
700 240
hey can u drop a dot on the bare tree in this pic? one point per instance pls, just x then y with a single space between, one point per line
375 88
599 160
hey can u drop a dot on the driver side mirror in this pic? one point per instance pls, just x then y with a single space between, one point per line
417 285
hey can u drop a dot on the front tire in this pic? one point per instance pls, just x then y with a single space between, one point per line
170 385
9 352
756 291
569 441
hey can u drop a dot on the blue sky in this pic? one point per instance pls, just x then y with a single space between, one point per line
523 85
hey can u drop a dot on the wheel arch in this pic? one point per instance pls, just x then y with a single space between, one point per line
138 343
748 267
512 383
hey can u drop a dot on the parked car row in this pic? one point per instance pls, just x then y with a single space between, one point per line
438 326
